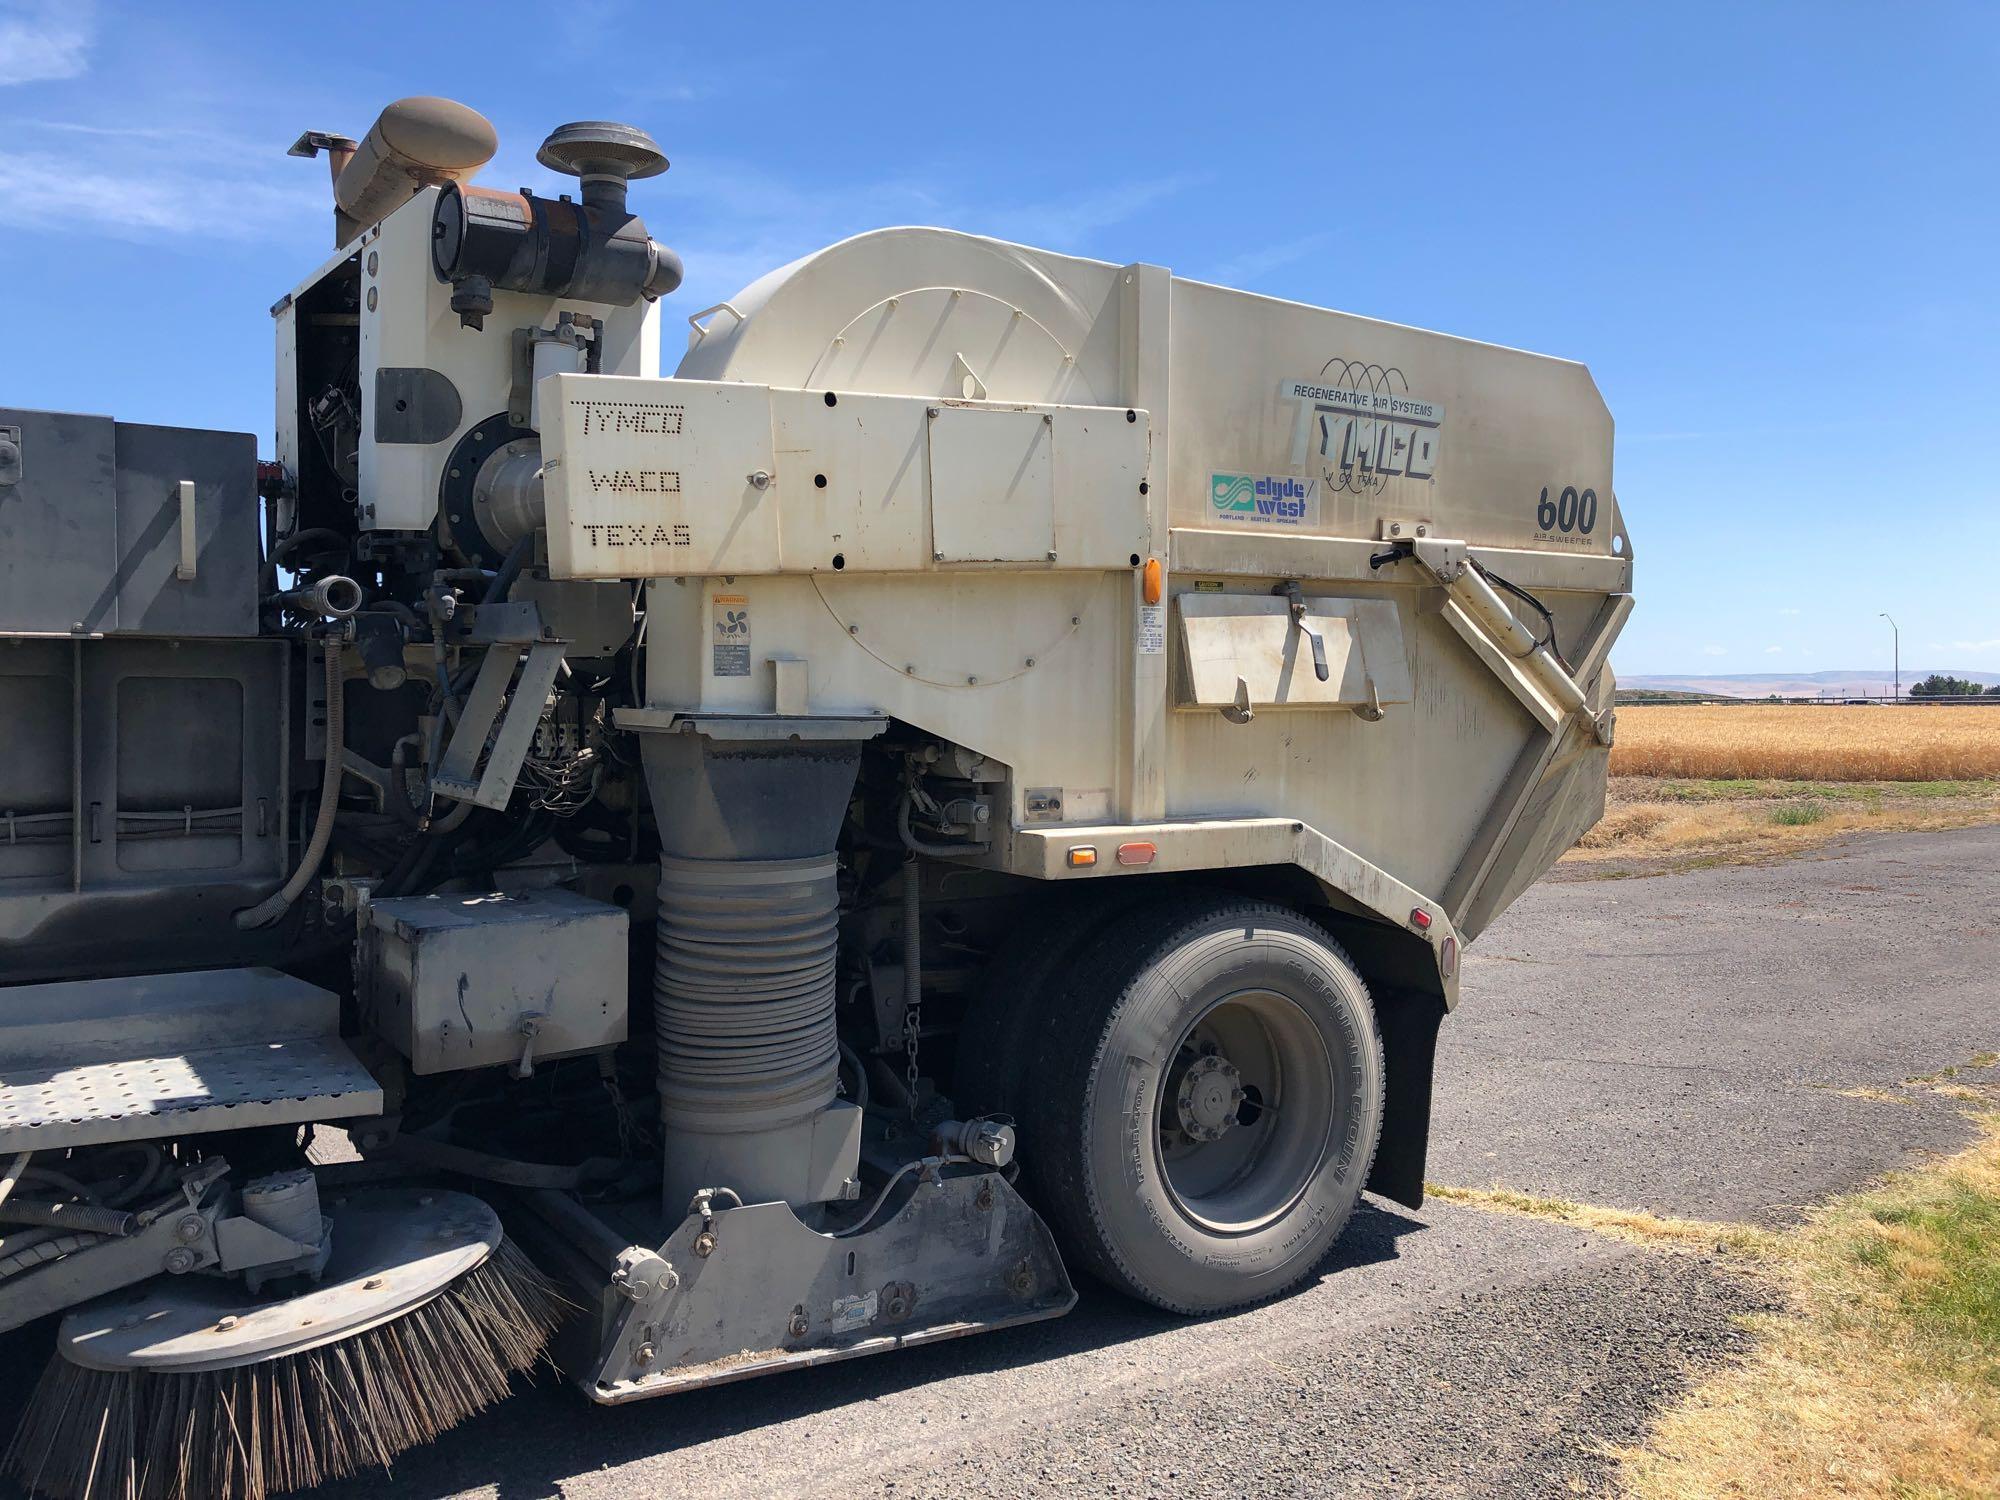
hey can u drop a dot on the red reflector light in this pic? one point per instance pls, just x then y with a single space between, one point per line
1420 919
1136 854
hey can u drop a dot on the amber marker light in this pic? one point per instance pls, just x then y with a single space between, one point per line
1082 856
1150 580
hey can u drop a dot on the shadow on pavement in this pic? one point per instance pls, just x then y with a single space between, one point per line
527 1446
549 1432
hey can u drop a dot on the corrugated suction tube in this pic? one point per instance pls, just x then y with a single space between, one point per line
744 991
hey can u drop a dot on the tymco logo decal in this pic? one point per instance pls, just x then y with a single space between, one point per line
1360 427
1269 499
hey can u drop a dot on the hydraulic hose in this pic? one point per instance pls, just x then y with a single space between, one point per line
917 844
913 951
510 569
316 535
62 1180
861 1097
35 1251
83 1218
398 795
280 901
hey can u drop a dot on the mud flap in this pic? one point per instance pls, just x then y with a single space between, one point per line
1408 1020
758 1291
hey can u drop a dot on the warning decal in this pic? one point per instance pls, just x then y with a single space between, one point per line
1152 629
732 635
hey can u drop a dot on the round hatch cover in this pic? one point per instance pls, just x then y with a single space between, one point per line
601 148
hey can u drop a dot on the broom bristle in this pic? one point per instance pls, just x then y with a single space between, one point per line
292 1422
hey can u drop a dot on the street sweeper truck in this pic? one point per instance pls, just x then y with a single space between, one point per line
984 772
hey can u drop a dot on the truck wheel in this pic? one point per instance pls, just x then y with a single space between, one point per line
1204 1101
1009 1007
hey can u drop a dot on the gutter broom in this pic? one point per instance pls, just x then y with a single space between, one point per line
188 1390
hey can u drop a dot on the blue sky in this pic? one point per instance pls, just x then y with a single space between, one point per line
1770 230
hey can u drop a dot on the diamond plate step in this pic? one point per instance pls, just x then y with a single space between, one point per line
219 1049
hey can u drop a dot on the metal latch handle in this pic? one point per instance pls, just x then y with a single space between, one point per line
1290 589
1240 711
528 1029
698 328
184 500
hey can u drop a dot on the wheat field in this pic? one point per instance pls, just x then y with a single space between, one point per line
1801 743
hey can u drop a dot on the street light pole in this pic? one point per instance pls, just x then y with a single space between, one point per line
1896 638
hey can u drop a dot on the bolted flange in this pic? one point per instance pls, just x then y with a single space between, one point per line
1209 1095
641 1273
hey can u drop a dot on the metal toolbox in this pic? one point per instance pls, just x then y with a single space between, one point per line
110 528
468 981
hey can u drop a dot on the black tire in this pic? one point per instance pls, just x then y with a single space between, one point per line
1010 1005
1216 999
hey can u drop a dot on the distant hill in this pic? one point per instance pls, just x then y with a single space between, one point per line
1851 684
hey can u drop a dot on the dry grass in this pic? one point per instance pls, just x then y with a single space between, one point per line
1808 743
1878 1096
1735 820
1883 1378
1635 1226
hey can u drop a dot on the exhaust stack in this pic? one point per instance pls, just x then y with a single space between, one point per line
415 143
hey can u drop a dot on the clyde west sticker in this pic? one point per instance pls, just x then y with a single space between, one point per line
1263 499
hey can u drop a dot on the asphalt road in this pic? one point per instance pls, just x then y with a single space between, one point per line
1674 1042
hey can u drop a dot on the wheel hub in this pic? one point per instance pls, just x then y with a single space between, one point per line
1209 1096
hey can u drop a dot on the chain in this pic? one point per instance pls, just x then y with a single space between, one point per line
631 1135
913 1025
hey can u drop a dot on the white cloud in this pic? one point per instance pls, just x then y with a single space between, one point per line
39 190
149 182
42 41
1993 645
1774 650
111 166
1788 611
1714 650
1065 223
733 221
1239 270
